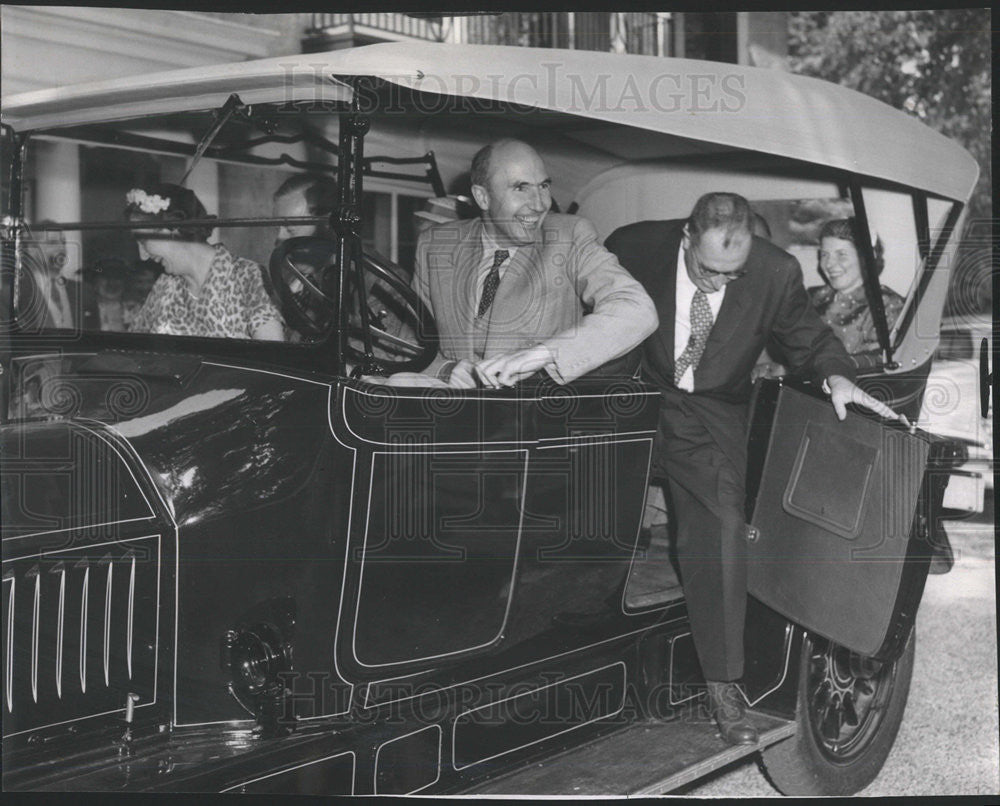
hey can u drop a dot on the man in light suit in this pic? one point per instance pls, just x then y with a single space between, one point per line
47 298
523 289
721 293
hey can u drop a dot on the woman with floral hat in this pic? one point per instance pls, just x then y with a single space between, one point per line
204 290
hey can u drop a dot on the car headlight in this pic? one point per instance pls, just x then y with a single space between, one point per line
255 657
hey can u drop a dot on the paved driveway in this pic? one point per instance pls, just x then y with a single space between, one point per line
948 742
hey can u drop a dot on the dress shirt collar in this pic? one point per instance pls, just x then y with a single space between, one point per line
490 246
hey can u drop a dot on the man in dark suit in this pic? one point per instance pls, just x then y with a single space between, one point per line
721 294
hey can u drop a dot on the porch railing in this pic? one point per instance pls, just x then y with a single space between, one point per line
395 25
642 33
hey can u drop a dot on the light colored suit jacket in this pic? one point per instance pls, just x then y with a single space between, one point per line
565 291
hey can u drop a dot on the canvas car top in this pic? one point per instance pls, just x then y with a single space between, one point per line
690 103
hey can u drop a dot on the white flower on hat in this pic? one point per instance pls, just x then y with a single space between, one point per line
147 203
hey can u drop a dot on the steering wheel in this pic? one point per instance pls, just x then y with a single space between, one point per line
402 330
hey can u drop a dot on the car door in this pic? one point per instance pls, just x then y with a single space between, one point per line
834 542
481 518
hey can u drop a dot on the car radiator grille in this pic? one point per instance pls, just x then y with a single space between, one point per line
80 630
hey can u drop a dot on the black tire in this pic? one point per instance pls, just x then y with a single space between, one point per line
828 755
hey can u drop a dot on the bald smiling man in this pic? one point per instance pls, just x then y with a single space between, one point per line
522 289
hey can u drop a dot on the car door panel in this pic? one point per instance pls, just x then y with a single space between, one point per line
481 518
443 532
832 544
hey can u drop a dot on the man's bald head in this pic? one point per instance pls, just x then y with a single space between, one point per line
482 160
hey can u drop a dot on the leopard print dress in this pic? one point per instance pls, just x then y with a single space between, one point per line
232 302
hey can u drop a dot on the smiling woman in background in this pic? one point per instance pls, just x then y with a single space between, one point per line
841 303
204 290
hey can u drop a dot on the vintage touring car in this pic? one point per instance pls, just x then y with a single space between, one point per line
234 565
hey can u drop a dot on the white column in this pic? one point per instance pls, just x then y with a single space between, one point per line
619 43
456 29
204 181
57 183
662 31
57 193
742 39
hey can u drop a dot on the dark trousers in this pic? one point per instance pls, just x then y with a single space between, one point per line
707 489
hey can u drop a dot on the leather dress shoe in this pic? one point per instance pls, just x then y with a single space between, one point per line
728 708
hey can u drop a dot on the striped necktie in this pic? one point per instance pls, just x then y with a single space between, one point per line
492 282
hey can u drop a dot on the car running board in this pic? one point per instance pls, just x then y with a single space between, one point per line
647 758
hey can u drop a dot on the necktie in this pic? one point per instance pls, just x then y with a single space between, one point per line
59 306
701 324
492 281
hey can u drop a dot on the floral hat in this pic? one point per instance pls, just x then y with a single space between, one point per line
171 204
146 203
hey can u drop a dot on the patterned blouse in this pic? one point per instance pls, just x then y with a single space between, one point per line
848 315
232 302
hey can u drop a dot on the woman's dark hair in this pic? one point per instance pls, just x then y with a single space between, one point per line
168 205
844 229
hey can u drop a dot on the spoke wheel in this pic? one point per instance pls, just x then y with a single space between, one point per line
849 711
847 703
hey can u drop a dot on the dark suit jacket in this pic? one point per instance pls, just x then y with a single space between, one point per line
768 305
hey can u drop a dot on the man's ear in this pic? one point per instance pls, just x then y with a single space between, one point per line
482 197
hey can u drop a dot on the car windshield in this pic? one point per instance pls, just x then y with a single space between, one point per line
210 280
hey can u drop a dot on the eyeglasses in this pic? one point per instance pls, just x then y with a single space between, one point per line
692 259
